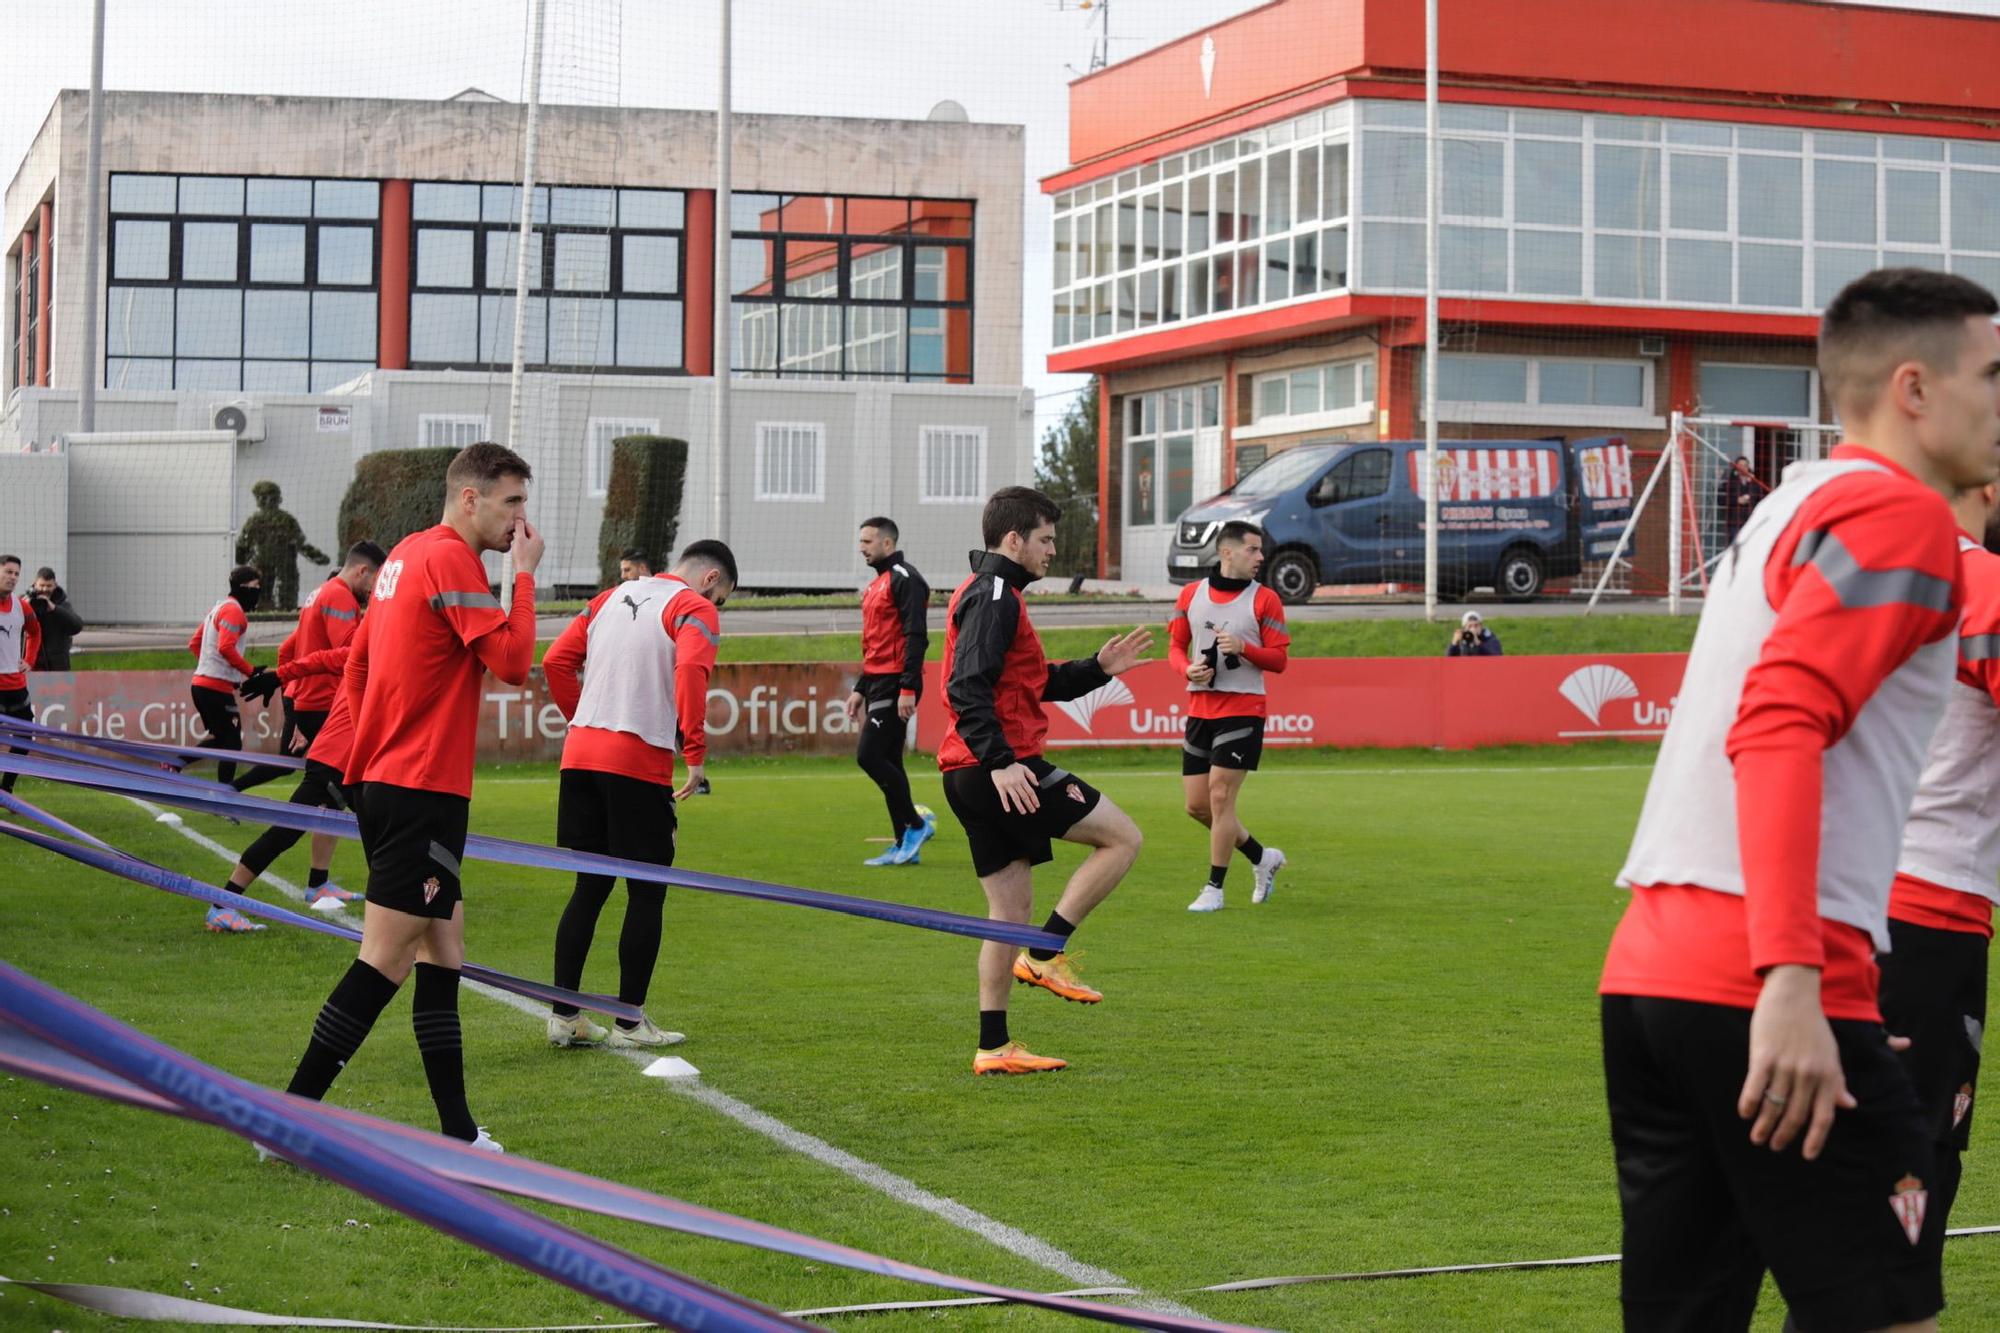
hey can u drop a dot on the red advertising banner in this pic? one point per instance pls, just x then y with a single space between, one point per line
797 707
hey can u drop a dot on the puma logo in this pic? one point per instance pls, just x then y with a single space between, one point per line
874 721
627 600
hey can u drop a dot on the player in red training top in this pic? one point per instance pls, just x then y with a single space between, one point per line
1758 1115
1010 800
1947 879
20 640
220 666
413 674
894 635
645 650
1228 631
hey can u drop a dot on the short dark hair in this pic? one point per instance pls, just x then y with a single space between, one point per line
1892 315
882 524
46 573
1235 530
243 574
712 552
637 557
482 465
366 553
1019 509
10 559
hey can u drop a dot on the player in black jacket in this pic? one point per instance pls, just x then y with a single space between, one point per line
893 639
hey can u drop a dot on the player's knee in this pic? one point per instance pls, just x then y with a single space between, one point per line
1198 811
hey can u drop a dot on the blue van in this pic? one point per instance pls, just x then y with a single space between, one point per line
1512 514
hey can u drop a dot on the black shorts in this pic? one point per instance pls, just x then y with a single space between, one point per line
219 715
414 841
616 815
300 720
1001 837
1222 742
14 703
321 786
1706 1210
1934 992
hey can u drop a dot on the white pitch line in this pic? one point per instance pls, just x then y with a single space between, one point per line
903 1190
731 776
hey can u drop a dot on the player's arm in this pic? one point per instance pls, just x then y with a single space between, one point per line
562 664
986 629
504 641
194 639
31 634
1274 653
1180 632
230 626
912 596
325 662
697 631
1979 631
354 679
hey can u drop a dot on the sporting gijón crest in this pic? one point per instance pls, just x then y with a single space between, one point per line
1908 1203
431 887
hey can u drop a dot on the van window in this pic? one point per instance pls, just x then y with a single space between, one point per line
1359 476
1281 472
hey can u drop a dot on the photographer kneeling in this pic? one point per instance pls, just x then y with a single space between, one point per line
1473 638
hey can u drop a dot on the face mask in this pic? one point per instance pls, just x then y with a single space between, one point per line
247 598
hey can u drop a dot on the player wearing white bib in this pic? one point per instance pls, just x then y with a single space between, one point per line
1739 996
20 637
644 649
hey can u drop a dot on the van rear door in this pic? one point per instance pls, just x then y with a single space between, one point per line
1604 493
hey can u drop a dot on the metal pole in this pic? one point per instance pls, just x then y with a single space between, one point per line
1625 536
93 175
1675 484
523 244
1430 308
725 352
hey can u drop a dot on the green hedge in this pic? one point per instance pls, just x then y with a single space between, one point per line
394 493
642 501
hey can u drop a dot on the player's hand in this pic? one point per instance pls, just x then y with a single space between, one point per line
1122 652
906 706
259 684
300 742
1230 644
697 774
1019 792
1795 1081
1200 673
527 546
854 702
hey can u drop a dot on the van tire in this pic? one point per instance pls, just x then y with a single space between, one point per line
1293 575
1520 575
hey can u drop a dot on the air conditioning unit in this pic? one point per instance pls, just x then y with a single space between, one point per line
1652 347
241 416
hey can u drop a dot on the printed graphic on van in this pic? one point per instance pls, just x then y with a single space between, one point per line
1606 471
1490 474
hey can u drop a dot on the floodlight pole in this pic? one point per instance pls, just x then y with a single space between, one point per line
724 354
523 244
1430 308
93 175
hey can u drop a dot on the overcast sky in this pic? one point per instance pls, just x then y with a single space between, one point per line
1004 60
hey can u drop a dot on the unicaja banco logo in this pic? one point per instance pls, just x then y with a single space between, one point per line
1590 688
1082 710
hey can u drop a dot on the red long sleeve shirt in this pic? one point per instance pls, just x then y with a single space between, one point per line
695 627
1271 656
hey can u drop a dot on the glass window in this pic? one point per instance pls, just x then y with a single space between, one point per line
430 202
1975 209
1392 255
1306 171
330 375
271 198
1278 191
752 267
1908 148
582 208
1333 258
1548 183
1628 188
1772 275
651 209
1197 287
1560 124
1756 391
1827 142
347 255
1471 178
1486 119
651 264
1482 379
1472 259
1141 484
276 377
1305 263
343 325
649 333
120 373
212 194
581 332
1628 268
346 199
502 203
445 328
1702 133
496 330
208 323
753 212
502 249
1765 139
1149 298
1773 198
583 262
1249 199
1128 235
1277 270
1548 263
1179 460
1618 384
1173 221
1844 201
1564 382
1985 272
1698 271
140 322
211 376
444 258
1700 185
1333 183
1392 176
1273 396
276 324
277 252
1149 228
1305 390
1170 293
1061 269
1199 235
141 250
142 194
1911 204
1835 268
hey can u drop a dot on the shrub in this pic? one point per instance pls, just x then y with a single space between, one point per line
394 493
642 501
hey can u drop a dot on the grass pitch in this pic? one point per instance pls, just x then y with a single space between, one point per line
1393 1063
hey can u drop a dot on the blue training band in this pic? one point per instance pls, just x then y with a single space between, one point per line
150 750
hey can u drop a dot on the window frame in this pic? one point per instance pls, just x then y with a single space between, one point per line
765 437
1263 426
927 491
1813 399
1533 412
428 424
597 466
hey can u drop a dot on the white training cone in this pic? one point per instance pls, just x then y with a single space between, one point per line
671 1066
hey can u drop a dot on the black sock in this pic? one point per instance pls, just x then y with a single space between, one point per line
315 878
1216 874
992 1029
1252 849
343 1024
1055 925
434 1015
